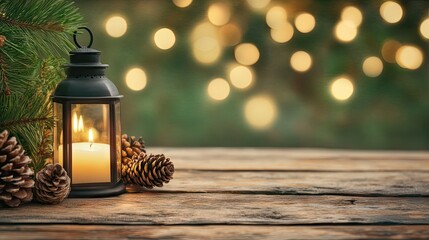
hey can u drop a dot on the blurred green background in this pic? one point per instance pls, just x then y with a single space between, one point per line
324 96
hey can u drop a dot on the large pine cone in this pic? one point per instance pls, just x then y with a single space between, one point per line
148 170
16 185
131 149
52 184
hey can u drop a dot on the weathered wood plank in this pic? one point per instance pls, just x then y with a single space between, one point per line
193 208
294 159
48 232
333 183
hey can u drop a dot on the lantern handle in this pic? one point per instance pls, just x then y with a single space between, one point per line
90 37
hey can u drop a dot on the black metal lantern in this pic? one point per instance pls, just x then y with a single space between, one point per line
87 136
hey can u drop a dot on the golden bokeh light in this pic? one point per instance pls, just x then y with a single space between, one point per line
389 49
301 61
276 17
352 14
391 12
246 53
258 4
230 34
182 3
116 26
409 57
219 13
345 31
424 28
206 47
218 89
241 76
372 66
283 34
260 112
342 88
305 22
136 79
164 38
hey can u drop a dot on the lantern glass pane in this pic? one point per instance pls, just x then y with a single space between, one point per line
58 133
118 139
90 143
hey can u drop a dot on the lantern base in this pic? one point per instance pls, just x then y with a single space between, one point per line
97 191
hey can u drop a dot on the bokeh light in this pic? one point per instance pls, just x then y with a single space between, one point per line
219 13
206 47
182 3
164 38
260 111
305 22
301 61
283 34
276 17
372 66
345 31
116 26
409 57
424 28
352 14
246 53
218 89
230 34
136 79
342 88
241 76
389 49
391 12
258 4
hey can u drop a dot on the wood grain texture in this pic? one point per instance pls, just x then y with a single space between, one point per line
50 232
294 159
318 183
193 208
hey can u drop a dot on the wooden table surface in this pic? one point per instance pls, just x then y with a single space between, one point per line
220 193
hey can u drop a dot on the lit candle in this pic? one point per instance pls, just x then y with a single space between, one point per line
90 161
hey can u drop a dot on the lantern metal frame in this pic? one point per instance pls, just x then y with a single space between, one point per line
86 83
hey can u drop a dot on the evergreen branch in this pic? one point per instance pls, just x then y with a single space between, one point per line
23 121
4 76
54 27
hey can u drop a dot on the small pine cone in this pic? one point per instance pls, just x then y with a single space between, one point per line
52 184
149 171
132 146
16 184
2 40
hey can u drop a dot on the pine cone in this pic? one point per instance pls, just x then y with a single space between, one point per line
2 40
148 170
52 184
15 174
131 149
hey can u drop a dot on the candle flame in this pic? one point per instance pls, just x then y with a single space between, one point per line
90 137
80 125
75 126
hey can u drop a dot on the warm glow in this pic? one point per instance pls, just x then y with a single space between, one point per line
164 38
90 136
258 4
80 125
424 28
182 3
116 26
345 31
206 47
218 89
283 34
136 79
260 111
352 14
75 122
389 49
301 61
342 88
230 34
372 66
246 53
241 76
305 22
391 12
276 17
219 13
409 57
